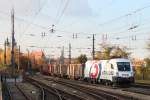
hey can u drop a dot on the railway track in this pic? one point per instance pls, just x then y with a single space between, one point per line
138 88
130 92
134 88
46 92
95 93
16 93
58 93
141 86
42 92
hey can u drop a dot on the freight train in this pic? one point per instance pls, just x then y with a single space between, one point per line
112 71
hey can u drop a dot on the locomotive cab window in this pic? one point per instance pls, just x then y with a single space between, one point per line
123 66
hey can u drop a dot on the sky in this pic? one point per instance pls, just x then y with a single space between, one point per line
113 19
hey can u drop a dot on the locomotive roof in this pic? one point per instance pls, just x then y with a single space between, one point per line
114 60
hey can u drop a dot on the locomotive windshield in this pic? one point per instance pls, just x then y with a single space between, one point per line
123 66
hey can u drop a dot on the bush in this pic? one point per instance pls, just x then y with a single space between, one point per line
144 74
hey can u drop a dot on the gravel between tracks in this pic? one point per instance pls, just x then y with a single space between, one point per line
29 90
116 91
64 88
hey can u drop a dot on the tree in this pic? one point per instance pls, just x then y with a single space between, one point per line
24 62
82 58
147 62
8 56
1 56
145 69
104 54
148 45
119 52
112 52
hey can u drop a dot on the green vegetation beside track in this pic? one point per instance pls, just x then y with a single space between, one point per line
3 67
146 82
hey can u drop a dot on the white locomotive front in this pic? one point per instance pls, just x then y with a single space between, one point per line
117 71
111 71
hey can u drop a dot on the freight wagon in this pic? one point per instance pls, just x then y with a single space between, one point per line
58 70
47 69
71 71
75 71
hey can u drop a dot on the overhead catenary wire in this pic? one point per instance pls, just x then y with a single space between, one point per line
128 30
63 11
140 9
64 32
126 15
76 21
59 8
45 27
36 14
123 31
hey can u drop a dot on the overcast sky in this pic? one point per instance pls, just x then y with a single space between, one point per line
82 17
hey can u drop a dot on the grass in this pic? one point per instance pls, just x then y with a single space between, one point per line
3 67
143 82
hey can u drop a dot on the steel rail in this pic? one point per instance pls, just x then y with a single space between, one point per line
8 90
60 93
27 97
42 90
96 95
95 92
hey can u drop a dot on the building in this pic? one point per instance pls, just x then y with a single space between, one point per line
37 58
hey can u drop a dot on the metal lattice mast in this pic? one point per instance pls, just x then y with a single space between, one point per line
93 50
13 38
